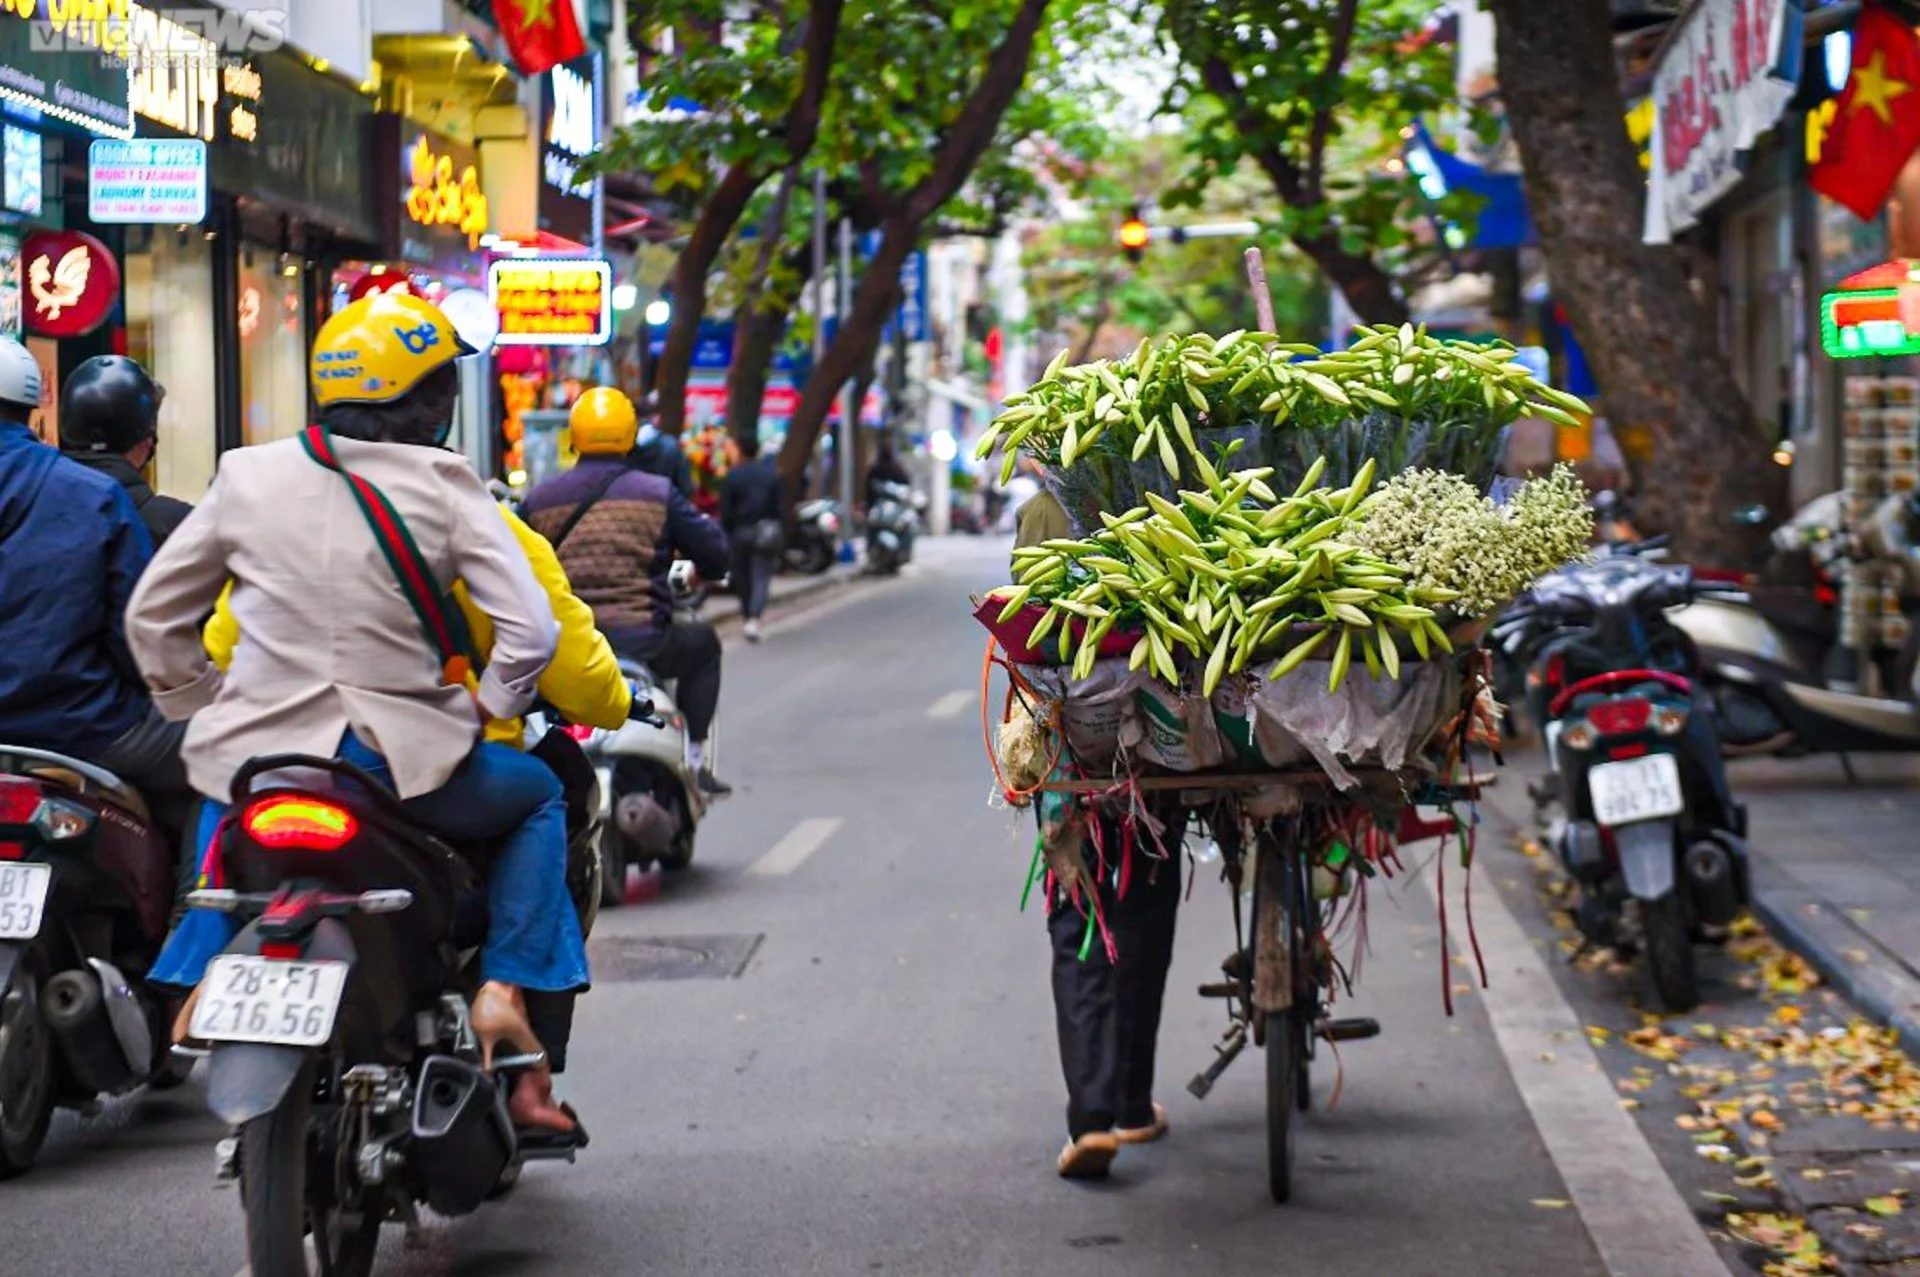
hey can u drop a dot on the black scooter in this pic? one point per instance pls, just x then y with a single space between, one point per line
1649 830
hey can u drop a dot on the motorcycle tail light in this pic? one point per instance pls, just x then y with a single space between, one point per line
579 731
19 799
13 851
1669 720
1621 717
1578 735
829 523
304 824
1556 671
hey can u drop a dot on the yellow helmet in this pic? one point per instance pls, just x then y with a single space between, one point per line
377 349
603 423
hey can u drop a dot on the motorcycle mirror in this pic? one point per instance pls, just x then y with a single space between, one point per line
1750 516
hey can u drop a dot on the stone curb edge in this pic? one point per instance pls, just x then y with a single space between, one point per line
1874 980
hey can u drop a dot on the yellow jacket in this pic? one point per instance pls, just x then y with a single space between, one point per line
583 682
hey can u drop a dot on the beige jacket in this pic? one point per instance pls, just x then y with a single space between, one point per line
331 641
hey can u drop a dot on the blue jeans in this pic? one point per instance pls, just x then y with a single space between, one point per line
533 935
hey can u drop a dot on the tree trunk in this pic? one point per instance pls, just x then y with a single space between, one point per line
689 287
1368 289
966 139
1651 343
756 339
728 204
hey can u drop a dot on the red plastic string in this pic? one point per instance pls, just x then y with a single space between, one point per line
1472 841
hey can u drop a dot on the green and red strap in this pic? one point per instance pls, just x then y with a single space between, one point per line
440 618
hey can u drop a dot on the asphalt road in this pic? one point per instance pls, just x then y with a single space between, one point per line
876 1091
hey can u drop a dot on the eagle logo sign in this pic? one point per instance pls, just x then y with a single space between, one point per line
57 287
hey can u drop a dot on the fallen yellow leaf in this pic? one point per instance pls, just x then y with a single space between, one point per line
1551 1203
1883 1205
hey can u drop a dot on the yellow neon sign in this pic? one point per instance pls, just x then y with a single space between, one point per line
437 197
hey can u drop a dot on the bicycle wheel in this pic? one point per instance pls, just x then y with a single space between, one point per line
1280 874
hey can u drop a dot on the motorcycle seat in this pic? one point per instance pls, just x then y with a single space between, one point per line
81 777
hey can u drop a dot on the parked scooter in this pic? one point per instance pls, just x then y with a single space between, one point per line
1781 682
814 545
893 521
652 802
338 1019
86 888
1649 831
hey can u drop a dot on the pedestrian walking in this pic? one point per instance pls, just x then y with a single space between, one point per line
750 512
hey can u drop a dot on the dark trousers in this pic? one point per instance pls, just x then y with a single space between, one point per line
1108 1012
147 756
752 573
689 653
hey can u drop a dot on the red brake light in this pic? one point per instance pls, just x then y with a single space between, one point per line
12 851
1556 672
1621 717
308 824
579 731
1639 749
19 799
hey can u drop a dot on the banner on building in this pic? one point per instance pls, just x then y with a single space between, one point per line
1724 78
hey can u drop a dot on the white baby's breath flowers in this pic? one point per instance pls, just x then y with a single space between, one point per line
1450 537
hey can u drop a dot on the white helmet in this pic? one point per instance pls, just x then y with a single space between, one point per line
19 374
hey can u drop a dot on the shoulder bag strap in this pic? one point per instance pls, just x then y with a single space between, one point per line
587 503
440 618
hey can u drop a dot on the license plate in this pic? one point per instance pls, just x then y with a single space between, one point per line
251 999
1636 789
23 899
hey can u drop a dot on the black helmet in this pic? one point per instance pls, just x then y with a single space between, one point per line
109 404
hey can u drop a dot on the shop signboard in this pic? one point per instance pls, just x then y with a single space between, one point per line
71 283
10 285
176 74
147 181
433 212
569 132
1725 76
1873 313
295 141
68 61
552 301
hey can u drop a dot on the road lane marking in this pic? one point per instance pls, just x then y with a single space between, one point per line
792 851
951 705
1637 1219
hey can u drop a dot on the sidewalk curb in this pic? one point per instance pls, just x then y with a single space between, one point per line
1881 986
723 611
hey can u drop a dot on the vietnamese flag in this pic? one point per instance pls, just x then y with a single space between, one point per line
1876 126
541 34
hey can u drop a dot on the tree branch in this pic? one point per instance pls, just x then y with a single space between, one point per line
1341 40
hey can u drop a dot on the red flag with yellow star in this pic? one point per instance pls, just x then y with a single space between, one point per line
1876 127
540 34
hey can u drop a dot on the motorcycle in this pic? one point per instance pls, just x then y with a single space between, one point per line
892 523
651 802
337 1021
86 889
1648 831
1781 681
814 545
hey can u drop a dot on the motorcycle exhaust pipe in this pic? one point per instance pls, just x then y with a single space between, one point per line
75 1008
645 823
463 1139
1582 851
1709 870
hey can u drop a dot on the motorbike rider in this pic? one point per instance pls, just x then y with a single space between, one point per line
338 661
71 548
583 683
110 422
617 530
658 453
1107 1005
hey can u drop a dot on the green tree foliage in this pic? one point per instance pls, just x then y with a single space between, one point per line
1314 93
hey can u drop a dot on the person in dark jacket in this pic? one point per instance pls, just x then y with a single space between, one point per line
750 512
617 530
110 422
660 454
71 548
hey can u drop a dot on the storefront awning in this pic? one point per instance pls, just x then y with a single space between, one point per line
1503 222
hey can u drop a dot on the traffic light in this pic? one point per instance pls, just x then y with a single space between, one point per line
1134 235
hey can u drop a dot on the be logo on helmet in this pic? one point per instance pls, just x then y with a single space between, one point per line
418 340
